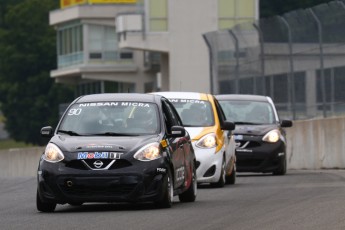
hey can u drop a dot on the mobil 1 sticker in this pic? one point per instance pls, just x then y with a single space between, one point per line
98 155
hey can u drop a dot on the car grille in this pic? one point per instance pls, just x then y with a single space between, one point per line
108 191
89 187
89 164
248 144
249 162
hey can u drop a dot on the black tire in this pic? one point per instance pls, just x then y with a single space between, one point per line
168 192
190 194
282 170
222 179
44 206
231 179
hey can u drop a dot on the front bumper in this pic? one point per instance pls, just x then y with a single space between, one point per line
209 163
260 157
60 184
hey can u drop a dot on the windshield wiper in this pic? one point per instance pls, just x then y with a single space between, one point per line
114 134
245 123
69 132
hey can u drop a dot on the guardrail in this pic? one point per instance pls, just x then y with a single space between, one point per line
312 144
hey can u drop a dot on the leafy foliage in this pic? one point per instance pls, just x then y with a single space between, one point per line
29 97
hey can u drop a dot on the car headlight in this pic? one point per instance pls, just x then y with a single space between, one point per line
208 141
272 136
53 154
148 152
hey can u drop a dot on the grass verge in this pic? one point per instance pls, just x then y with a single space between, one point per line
10 144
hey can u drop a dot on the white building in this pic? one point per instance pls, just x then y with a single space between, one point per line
95 56
174 28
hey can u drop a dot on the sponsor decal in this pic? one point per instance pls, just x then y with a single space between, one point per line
180 173
123 104
111 1
164 143
161 170
187 101
99 146
238 137
67 3
244 150
98 155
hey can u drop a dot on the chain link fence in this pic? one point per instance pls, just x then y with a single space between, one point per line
298 59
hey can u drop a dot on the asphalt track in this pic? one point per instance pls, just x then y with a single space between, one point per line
302 199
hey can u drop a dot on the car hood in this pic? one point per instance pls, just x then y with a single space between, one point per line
255 130
101 143
196 133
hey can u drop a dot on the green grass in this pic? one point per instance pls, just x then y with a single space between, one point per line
10 144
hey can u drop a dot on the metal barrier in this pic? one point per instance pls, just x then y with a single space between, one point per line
297 58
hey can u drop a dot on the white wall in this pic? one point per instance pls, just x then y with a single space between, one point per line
312 144
19 162
317 144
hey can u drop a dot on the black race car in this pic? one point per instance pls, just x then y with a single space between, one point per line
259 134
117 148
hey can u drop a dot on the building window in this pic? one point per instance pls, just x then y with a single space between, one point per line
334 88
103 46
104 87
280 88
300 87
70 44
158 15
232 12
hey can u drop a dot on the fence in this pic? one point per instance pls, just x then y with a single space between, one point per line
297 58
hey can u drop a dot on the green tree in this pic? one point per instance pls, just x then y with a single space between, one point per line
269 8
29 97
4 4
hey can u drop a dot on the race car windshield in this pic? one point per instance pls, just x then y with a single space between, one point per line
119 118
194 113
248 112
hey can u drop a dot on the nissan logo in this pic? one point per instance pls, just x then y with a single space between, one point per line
98 164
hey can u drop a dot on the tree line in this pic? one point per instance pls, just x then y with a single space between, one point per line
29 98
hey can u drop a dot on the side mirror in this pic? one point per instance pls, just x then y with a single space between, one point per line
286 123
177 131
227 125
47 131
